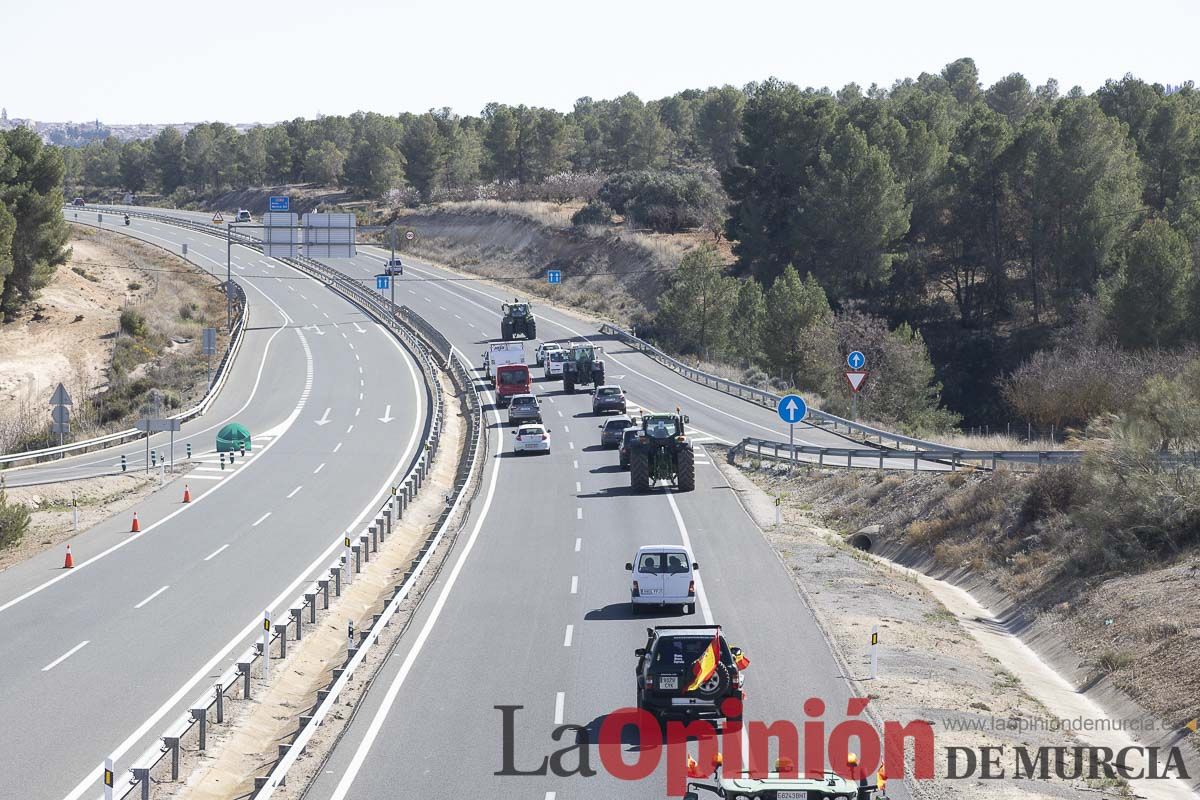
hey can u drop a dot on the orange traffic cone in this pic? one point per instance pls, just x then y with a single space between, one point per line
187 494
136 527
70 562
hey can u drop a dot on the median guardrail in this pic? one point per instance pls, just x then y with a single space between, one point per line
120 437
237 683
885 458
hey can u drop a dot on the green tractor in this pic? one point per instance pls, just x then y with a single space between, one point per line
662 453
518 318
583 366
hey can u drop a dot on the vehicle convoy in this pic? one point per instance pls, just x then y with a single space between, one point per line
608 398
518 319
582 367
544 349
500 353
663 575
662 453
532 439
688 672
524 408
779 787
555 359
612 429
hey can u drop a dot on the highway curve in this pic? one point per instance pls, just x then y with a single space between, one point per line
101 658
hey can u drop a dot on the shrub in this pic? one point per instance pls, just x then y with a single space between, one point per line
14 521
133 286
665 201
133 322
189 311
596 212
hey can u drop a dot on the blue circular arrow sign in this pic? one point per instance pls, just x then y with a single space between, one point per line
792 408
856 360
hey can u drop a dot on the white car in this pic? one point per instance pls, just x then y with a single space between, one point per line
663 575
393 266
554 363
243 216
532 439
544 349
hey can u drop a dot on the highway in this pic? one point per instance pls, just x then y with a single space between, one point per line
532 609
99 659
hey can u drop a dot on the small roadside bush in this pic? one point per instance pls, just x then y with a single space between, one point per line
666 202
189 312
133 322
596 212
14 521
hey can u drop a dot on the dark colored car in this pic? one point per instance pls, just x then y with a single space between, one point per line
613 429
524 408
665 670
628 436
77 202
608 398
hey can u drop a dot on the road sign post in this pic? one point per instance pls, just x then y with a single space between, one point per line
874 651
209 346
266 645
792 409
59 415
108 779
856 379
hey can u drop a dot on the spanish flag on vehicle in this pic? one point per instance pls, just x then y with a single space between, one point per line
740 659
706 664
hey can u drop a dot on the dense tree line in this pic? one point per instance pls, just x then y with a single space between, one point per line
33 234
981 216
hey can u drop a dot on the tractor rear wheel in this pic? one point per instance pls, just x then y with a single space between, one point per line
598 374
531 329
685 469
639 471
505 331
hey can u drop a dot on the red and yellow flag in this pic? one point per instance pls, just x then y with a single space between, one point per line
706 664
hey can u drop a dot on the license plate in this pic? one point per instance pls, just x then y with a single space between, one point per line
651 591
791 796
668 682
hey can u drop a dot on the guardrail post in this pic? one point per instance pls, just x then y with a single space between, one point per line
141 775
200 717
954 462
311 599
366 548
387 520
374 529
993 462
357 559
220 702
881 458
821 457
281 629
324 584
172 743
297 617
244 668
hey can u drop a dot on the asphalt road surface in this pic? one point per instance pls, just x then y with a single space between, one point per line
99 659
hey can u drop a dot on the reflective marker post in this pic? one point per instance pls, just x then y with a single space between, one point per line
266 644
874 650
108 779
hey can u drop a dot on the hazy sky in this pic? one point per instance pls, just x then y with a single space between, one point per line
172 61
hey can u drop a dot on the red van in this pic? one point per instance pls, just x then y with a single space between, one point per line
512 379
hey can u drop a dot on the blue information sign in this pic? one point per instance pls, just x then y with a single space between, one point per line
792 408
553 276
280 202
381 282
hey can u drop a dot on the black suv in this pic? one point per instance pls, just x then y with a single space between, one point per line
664 671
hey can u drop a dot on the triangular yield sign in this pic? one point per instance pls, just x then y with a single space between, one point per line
217 218
60 397
856 378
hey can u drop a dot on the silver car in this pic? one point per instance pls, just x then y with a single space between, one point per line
524 408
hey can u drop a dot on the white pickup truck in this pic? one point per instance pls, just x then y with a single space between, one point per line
500 353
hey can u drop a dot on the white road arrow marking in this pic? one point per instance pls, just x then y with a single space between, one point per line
387 415
315 329
360 330
324 420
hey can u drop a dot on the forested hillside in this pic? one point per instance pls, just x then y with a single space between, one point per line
983 224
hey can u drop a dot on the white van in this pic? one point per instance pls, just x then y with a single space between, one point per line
663 575
554 363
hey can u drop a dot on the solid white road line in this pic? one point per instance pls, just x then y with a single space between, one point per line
566 637
215 553
65 656
260 520
574 584
293 492
196 477
687 542
151 597
360 755
559 700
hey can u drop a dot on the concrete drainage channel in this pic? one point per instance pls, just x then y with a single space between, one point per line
161 764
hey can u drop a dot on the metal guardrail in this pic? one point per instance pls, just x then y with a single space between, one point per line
770 400
119 437
195 720
878 458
